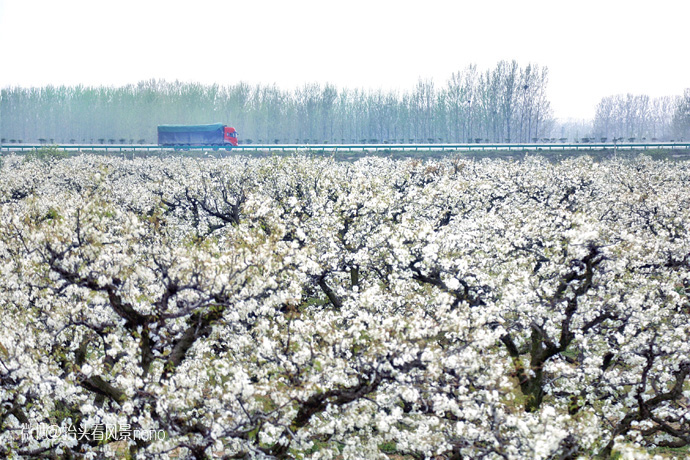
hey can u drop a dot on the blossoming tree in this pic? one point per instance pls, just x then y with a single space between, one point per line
307 308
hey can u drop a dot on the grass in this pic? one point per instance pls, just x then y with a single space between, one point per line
47 154
671 452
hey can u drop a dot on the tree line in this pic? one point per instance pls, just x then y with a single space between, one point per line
641 118
505 104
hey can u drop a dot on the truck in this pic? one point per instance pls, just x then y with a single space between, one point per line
215 135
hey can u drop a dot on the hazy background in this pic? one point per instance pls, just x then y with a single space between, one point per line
593 49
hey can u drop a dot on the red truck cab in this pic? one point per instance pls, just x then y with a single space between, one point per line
230 135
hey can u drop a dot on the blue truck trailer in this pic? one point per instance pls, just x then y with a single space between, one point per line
212 135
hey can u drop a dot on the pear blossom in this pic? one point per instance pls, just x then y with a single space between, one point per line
302 307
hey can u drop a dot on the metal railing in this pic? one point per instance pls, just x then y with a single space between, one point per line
354 147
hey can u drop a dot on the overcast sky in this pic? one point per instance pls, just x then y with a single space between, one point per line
593 48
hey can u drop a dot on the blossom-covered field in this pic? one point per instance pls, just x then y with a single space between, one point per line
307 308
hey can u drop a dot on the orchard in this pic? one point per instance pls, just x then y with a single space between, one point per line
301 307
